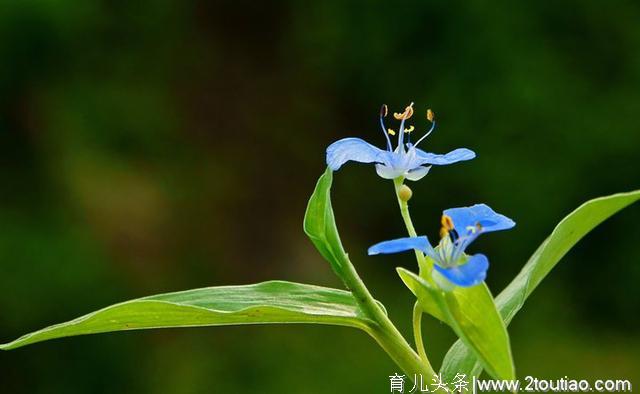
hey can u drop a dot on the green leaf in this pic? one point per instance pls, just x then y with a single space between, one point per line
429 297
268 302
566 234
320 226
472 314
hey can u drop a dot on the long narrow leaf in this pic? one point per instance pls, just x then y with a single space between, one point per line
268 302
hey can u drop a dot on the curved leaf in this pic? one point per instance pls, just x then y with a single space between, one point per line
567 233
268 302
472 314
320 226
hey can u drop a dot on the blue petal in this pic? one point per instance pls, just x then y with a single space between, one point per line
454 156
473 272
403 244
478 214
354 149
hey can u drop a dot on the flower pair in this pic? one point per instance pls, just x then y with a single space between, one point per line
460 226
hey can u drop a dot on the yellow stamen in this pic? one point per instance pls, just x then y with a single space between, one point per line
447 225
430 115
408 112
443 232
447 222
391 132
409 129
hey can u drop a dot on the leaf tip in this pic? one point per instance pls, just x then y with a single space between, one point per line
402 271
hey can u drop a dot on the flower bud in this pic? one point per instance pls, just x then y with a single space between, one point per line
405 193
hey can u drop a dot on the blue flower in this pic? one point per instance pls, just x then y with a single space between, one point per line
406 160
460 227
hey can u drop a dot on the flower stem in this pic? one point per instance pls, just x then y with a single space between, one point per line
383 330
417 332
425 266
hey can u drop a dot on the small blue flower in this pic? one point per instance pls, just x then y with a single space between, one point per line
460 227
406 160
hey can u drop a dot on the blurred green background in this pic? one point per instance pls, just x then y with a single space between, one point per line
148 147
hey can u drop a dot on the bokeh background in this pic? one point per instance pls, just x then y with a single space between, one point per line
156 146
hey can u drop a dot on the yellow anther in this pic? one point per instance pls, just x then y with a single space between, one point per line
408 112
391 132
430 115
447 225
443 232
447 222
409 129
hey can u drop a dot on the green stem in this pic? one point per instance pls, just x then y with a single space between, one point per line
424 264
384 331
417 332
